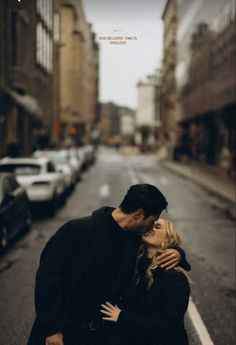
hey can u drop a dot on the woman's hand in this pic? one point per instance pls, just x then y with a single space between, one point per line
169 258
112 312
55 339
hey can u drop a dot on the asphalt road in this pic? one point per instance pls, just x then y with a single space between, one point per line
207 235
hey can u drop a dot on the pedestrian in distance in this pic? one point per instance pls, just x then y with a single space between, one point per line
89 261
154 307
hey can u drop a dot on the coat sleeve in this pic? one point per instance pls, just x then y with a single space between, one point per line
168 322
183 263
54 262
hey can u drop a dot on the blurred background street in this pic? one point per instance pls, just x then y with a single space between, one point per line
96 98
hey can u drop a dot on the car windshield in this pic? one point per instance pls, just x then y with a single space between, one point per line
21 169
59 160
58 157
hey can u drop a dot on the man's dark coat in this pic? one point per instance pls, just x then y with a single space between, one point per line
68 267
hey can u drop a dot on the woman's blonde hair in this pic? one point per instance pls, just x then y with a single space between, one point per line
172 239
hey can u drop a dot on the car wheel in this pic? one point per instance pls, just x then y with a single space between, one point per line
3 238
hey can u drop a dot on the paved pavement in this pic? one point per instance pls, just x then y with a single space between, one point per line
211 179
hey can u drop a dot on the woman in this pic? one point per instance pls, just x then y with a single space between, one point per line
153 314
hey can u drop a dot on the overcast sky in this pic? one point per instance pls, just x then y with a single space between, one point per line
122 66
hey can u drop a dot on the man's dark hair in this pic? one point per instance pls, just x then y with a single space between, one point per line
145 196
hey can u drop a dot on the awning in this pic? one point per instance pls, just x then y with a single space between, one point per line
28 102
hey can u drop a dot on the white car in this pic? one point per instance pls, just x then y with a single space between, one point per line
39 177
62 164
90 154
81 152
75 161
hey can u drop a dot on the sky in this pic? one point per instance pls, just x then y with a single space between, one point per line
123 65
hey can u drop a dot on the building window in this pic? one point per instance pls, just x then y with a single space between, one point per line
44 52
39 41
50 56
50 14
48 52
44 49
56 27
224 18
45 10
44 34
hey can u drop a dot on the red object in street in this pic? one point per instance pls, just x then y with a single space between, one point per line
73 131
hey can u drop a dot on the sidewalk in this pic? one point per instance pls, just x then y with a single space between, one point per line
211 179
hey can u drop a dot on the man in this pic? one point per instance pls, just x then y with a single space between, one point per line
89 261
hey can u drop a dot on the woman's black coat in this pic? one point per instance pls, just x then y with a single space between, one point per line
156 316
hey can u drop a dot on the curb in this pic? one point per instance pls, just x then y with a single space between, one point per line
223 202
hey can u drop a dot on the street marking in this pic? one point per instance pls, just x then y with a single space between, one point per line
198 324
104 191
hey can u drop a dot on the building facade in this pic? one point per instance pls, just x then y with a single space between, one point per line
56 128
117 124
79 69
48 75
205 76
29 76
110 123
170 108
44 66
20 108
147 119
127 125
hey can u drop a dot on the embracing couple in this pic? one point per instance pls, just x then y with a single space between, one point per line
117 277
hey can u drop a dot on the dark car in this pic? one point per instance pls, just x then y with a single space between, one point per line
15 213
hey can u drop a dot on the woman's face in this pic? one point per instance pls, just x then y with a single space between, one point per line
156 237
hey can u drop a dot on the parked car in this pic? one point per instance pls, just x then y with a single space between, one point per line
15 213
61 161
90 154
87 154
75 161
82 154
42 182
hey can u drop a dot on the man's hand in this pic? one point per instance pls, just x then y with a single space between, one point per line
55 339
169 258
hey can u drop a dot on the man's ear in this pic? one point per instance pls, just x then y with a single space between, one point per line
139 214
